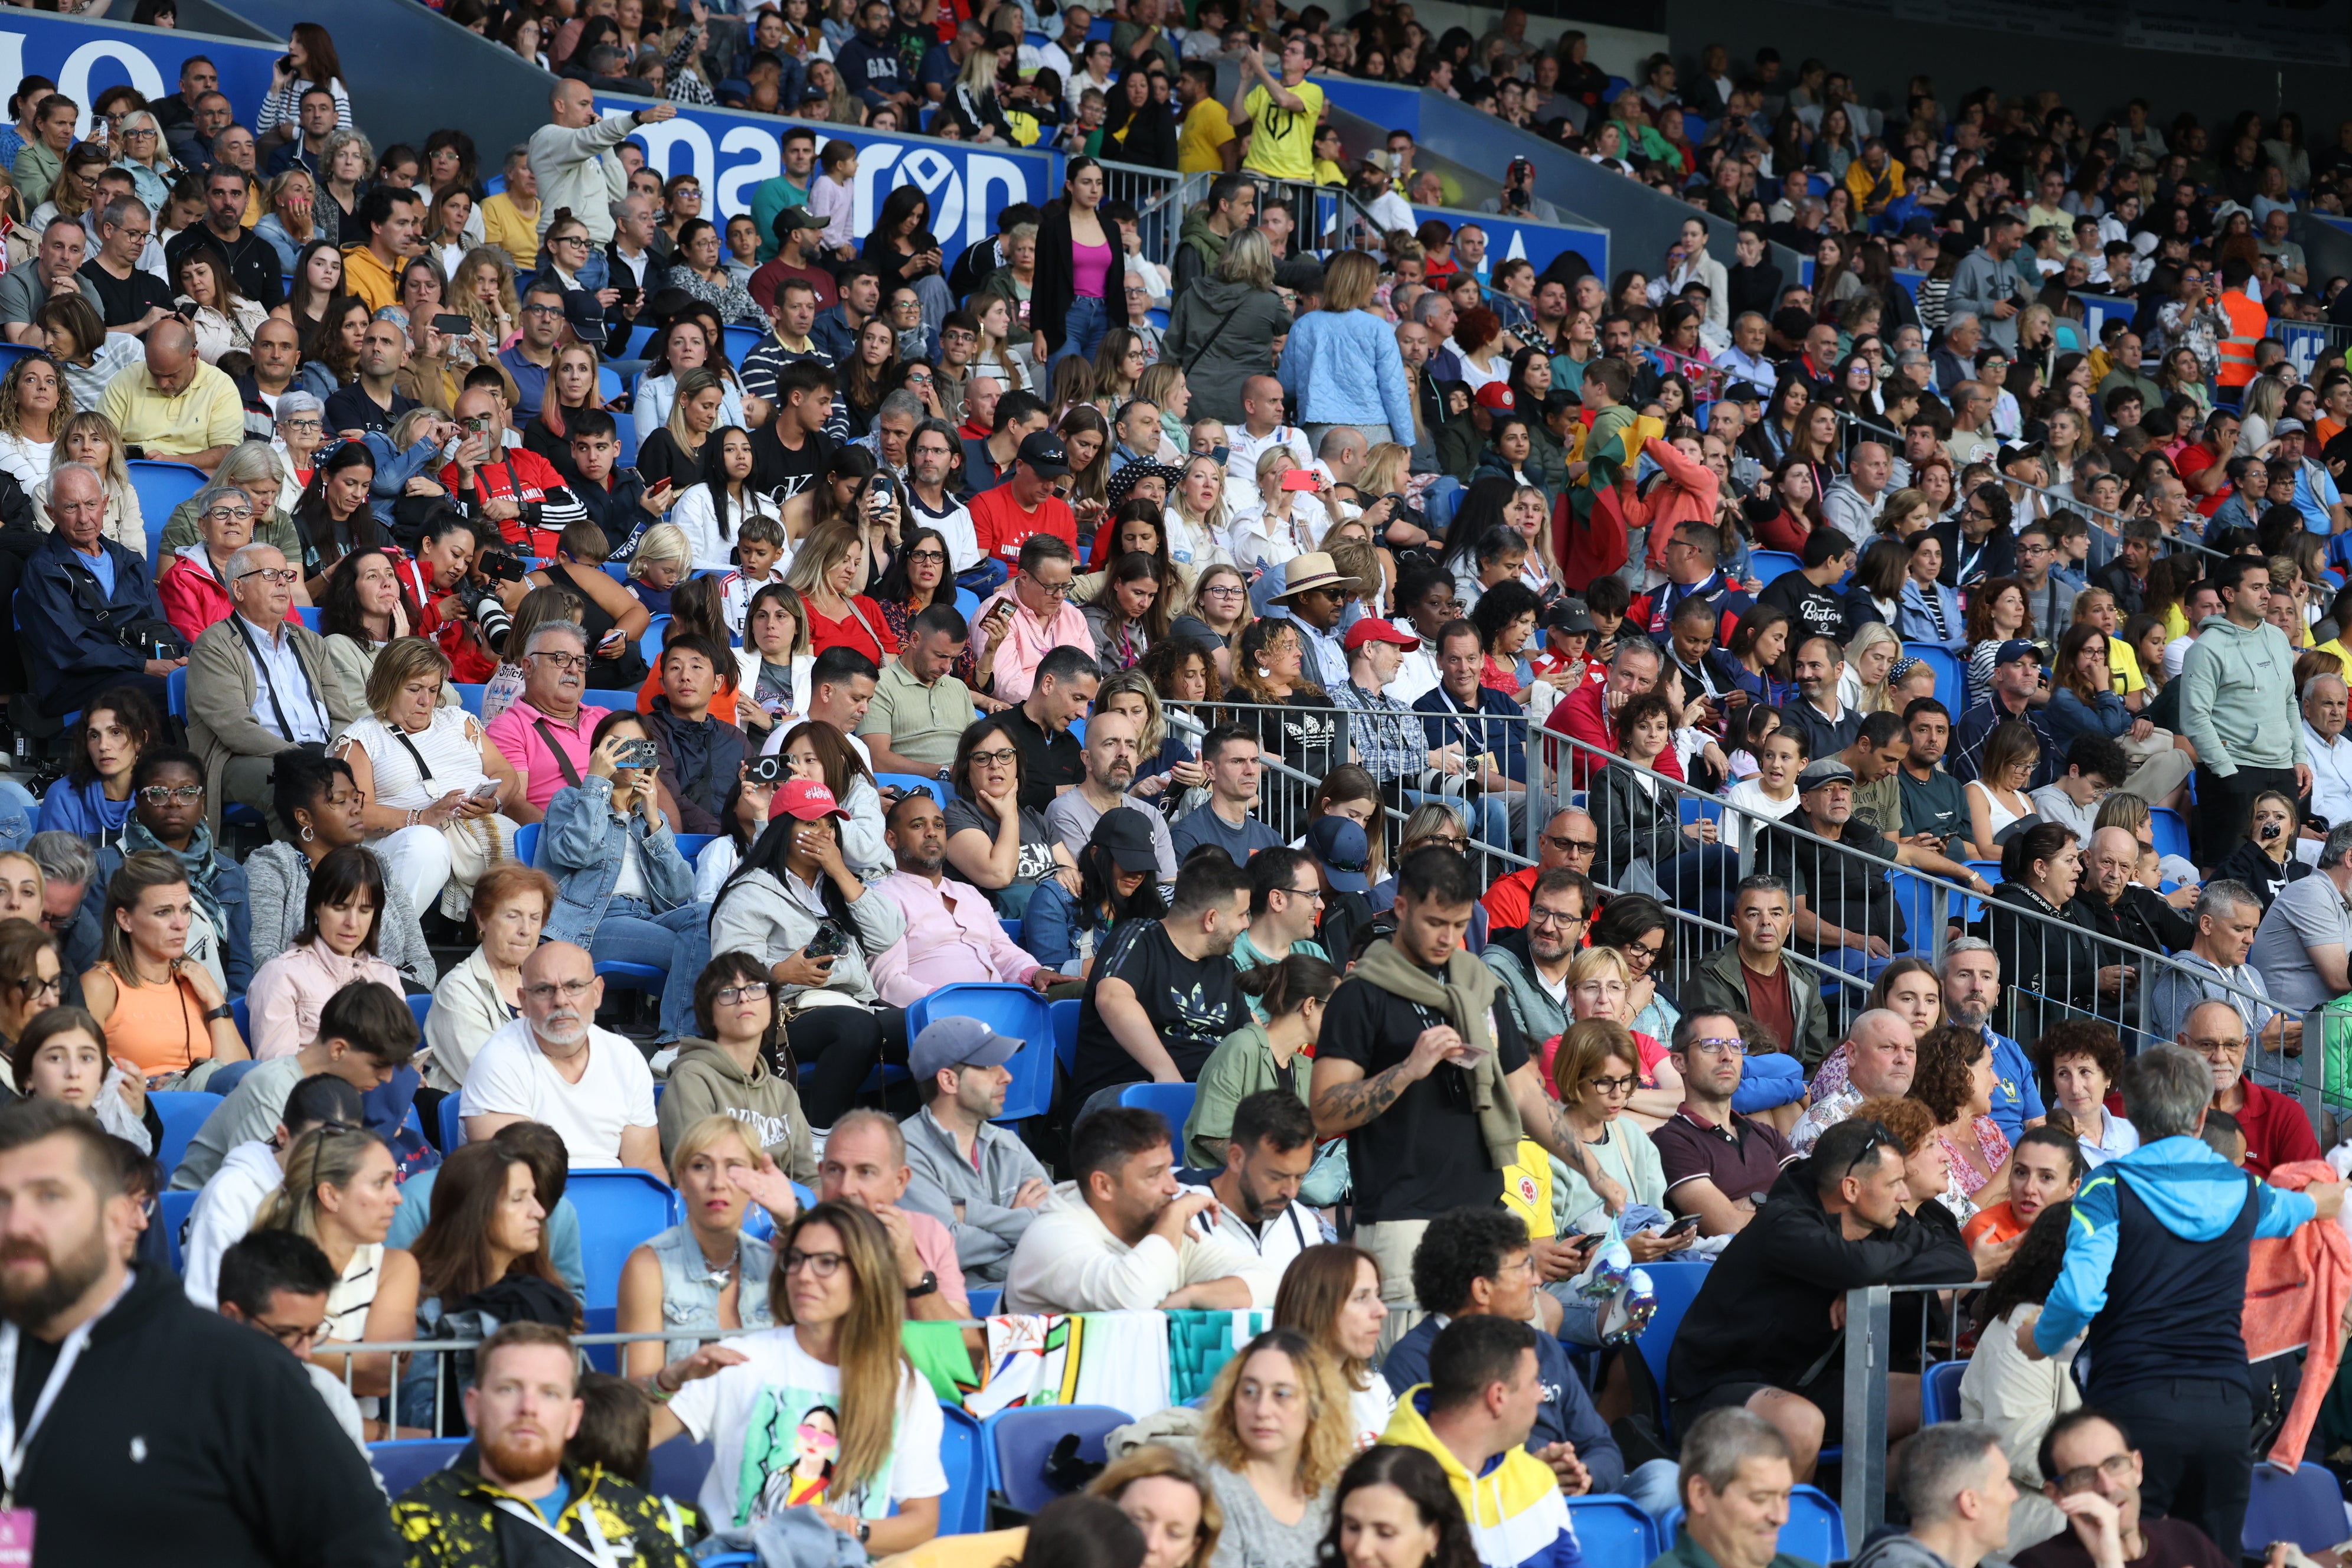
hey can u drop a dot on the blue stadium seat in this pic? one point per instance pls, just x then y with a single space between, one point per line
225 1079
1016 1012
1612 1532
618 1209
608 385
526 844
618 701
182 1112
1066 1032
310 614
631 976
10 353
1021 1439
1816 1528
1766 564
967 603
1677 1286
2169 832
452 1126
242 1016
650 644
1698 808
176 693
404 1463
1951 678
160 487
965 1511
909 783
983 1300
419 1007
639 337
740 342
1940 1391
677 1467
1172 1101
1923 904
2304 1508
470 697
171 1212
691 844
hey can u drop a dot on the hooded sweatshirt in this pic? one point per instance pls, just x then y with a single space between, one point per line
1517 1516
2230 678
705 1081
223 1212
215 1423
2166 1229
1222 332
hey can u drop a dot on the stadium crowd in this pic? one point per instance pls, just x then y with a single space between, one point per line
1183 646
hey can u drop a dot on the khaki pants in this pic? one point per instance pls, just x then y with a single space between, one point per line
1391 1243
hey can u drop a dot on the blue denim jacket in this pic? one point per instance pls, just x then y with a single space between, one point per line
394 469
580 846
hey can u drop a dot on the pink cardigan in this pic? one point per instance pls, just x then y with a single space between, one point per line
289 990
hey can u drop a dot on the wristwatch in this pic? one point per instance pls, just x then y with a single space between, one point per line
223 1011
927 1284
865 1532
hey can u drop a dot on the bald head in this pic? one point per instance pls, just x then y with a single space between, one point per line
1880 1053
2115 855
171 355
573 105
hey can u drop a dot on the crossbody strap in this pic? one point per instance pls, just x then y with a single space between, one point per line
261 665
570 773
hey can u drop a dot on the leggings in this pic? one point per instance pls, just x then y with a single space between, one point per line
834 1049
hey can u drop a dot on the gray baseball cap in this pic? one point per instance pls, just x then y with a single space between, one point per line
958 1042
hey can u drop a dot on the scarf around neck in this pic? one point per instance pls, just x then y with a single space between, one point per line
1464 996
198 861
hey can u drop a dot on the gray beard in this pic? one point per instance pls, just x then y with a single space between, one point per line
1969 1019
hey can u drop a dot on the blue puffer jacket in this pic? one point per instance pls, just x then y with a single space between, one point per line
581 847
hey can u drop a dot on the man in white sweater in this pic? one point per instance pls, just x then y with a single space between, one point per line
573 157
1123 1237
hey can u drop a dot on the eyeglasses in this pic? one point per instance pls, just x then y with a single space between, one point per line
1539 916
294 1337
2082 1478
940 555
1560 843
824 1264
544 310
286 577
571 990
53 986
1313 895
227 513
564 661
1732 1045
736 995
158 794
302 425
1225 590
2236 1047
581 239
1051 590
1625 1085
996 759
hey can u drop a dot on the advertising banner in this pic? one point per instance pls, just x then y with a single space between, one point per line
85 58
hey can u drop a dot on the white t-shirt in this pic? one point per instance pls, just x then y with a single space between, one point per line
751 1412
955 526
1750 794
509 1076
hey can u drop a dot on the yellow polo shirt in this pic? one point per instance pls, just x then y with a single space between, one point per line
208 413
511 229
366 278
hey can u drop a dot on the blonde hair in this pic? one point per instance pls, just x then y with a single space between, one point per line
1591 960
1348 281
1873 633
461 290
1155 725
663 542
1330 1439
401 661
320 1157
873 1361
819 554
1154 1459
276 204
1383 470
706 1132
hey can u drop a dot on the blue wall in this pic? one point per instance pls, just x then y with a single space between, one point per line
85 58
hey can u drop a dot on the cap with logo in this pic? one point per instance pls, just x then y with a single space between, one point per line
1043 453
1343 850
807 800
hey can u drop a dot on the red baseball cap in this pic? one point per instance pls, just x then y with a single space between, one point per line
807 800
1372 628
1496 396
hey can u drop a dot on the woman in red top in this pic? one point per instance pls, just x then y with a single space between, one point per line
825 572
1785 514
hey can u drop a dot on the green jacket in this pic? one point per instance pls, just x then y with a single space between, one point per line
1718 982
1241 1066
451 1519
2232 676
36 172
1204 241
1686 1553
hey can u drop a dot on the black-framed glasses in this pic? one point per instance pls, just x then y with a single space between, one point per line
53 986
1539 916
736 995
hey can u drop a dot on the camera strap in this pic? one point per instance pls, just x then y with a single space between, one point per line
570 773
261 667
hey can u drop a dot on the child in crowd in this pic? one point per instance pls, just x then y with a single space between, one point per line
832 198
761 559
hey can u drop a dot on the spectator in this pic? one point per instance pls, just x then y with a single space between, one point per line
335 947
249 1173
2114 906
1822 714
1030 615
919 707
253 264
842 683
2054 962
474 1001
1124 1240
93 800
1286 1001
2239 668
1231 756
1568 841
545 734
952 933
701 754
1734 1483
1224 326
174 405
1162 992
193 586
1972 986
1258 1177
1762 1320
707 1271
1118 873
1340 363
1638 822
977 1179
280 1282
1472 1416
623 892
865 1163
725 1071
1954 1082
1532 962
1052 761
2082 1060
553 1066
1420 1146
576 168
2156 1283
2213 968
1112 755
1954 1479
2301 946
2016 681
257 686
53 271
2097 1480
2276 1131
1718 1166
994 836
884 1419
2046 1167
1588 713
1296 1457
79 591
1752 977
523 1408
169 821
183 1378
1478 1263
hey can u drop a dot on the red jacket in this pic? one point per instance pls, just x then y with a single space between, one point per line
1583 715
1786 532
520 475
192 598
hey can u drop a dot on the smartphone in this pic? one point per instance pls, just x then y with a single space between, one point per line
500 567
485 789
766 770
830 942
456 326
638 754
1684 1226
1300 480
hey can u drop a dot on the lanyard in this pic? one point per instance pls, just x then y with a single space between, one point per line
13 1447
596 1552
261 667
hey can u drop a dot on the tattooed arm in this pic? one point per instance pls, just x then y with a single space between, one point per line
1546 1121
1343 1098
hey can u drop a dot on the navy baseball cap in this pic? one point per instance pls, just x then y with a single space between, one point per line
1344 851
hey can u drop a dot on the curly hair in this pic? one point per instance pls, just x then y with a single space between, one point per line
2081 1038
1466 1245
1942 1081
12 409
1330 1438
1908 1121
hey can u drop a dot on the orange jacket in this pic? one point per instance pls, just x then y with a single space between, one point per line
2298 1289
1685 492
2249 324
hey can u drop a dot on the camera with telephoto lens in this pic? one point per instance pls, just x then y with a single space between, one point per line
490 618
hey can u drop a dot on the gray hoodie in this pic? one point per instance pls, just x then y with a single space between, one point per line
705 1081
2238 698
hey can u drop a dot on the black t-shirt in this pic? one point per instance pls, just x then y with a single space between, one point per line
1421 1156
1047 762
125 302
351 408
1193 1003
1848 890
778 469
1818 611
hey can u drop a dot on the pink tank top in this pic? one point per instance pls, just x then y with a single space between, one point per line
1091 265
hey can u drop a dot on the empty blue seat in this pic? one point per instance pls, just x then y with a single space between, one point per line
1016 1012
470 697
618 1209
310 614
740 342
1611 1533
1951 680
1172 1101
2304 1506
650 646
608 385
677 1468
453 1128
1766 564
1021 1439
1066 1032
631 976
182 1112
419 1007
526 844
404 1463
176 693
2168 832
1940 1391
965 1511
171 1212
161 487
1676 1286
604 697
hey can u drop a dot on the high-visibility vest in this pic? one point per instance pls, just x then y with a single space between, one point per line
2249 324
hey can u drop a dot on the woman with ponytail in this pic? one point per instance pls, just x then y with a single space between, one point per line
1288 997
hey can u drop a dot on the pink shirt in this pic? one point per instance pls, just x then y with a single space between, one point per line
936 1247
515 733
1028 641
287 992
952 938
1089 267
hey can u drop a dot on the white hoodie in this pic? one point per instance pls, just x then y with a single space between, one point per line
224 1212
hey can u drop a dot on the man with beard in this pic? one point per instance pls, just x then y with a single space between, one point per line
1112 755
1532 959
953 937
552 1065
236 1461
510 1489
1971 991
1268 1155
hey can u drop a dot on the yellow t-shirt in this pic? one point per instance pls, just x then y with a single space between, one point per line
506 226
1527 1189
1282 143
2334 649
1200 139
208 413
1327 172
2122 661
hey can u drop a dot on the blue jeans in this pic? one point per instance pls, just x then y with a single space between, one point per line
677 940
1082 331
1857 962
1702 881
